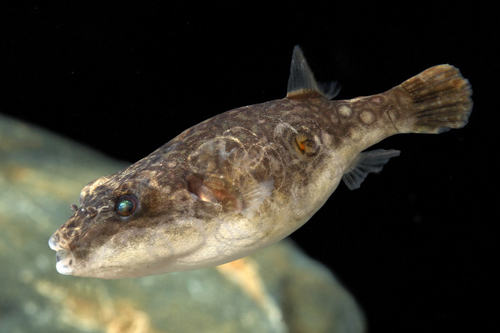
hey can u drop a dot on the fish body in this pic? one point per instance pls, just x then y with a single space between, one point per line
248 177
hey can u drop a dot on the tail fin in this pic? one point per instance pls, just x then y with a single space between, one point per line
441 100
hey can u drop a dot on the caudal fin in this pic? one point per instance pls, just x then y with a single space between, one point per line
441 100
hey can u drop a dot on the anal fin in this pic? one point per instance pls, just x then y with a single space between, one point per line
365 163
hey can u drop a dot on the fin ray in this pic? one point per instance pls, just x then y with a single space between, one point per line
367 162
227 178
302 84
441 100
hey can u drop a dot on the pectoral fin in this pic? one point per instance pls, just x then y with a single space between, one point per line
223 174
244 199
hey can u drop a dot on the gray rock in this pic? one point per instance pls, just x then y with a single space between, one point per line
278 289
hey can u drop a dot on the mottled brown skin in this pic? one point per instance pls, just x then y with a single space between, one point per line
296 144
169 167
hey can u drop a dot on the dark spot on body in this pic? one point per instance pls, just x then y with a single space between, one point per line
306 145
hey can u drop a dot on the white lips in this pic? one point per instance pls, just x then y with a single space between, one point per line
53 244
64 262
64 257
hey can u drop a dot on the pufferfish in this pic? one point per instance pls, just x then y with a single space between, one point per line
248 177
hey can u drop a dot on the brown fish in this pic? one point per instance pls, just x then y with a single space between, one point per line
248 177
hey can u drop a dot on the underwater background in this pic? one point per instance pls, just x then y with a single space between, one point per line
413 246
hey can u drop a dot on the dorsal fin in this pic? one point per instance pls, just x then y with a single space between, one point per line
302 84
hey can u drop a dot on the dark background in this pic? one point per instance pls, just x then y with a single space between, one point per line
414 245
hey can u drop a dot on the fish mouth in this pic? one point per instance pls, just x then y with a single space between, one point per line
64 258
53 243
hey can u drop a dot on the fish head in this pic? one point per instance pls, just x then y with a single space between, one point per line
121 229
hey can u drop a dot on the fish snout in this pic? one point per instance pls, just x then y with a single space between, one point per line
64 257
54 242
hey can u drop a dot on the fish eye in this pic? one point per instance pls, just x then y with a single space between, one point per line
126 205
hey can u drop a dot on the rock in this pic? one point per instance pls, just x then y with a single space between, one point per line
278 289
